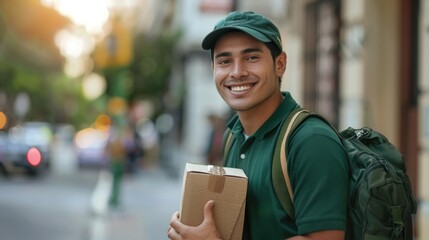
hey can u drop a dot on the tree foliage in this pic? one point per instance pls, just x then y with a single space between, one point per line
152 64
53 97
57 99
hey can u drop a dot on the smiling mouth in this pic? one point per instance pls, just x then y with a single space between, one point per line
241 88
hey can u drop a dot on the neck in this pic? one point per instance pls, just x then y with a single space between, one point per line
254 118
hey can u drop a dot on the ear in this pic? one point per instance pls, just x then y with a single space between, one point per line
280 64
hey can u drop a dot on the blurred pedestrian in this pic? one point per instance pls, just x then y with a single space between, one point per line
135 151
120 140
214 146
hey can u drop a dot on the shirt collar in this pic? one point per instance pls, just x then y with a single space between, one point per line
286 106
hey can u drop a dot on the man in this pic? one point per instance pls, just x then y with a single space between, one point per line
248 63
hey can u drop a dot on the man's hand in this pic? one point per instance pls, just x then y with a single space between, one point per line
205 231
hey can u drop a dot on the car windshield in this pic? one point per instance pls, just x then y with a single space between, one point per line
32 134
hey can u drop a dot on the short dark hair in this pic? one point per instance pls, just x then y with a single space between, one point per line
275 51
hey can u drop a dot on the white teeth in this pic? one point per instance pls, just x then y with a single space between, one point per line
240 88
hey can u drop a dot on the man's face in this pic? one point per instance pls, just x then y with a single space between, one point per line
246 76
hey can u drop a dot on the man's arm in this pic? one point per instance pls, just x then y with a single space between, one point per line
320 179
322 235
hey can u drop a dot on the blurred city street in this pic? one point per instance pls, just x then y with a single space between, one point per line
59 207
89 89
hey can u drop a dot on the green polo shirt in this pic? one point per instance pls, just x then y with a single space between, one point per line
317 169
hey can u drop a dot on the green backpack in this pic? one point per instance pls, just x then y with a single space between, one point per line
381 203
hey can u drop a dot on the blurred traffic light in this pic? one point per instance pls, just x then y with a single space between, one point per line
3 120
115 50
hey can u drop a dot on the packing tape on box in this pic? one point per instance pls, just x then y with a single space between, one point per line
216 179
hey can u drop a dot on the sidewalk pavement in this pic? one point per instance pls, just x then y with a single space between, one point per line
148 199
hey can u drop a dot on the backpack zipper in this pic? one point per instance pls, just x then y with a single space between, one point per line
364 132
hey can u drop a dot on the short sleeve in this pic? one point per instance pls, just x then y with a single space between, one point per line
318 170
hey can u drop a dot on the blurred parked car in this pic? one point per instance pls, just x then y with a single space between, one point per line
3 151
63 154
27 148
90 146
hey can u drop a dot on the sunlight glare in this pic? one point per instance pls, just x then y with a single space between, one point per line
94 85
90 14
71 45
75 67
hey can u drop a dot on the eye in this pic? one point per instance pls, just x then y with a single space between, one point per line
252 58
223 61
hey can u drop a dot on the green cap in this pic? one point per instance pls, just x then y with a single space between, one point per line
251 23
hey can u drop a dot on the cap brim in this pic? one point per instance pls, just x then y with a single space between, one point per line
210 40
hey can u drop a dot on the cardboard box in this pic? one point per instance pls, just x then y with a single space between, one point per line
226 186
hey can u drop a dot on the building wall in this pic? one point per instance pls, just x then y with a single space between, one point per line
423 216
195 75
292 29
369 67
283 14
201 100
382 73
370 75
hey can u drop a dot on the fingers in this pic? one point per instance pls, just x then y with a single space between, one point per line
173 234
175 226
206 230
174 217
208 211
209 222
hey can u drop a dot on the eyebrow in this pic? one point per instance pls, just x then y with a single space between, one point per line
245 51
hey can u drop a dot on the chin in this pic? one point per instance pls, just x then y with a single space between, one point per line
239 107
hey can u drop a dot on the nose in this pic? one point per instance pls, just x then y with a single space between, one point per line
238 70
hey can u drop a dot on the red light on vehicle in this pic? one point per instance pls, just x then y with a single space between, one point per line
34 157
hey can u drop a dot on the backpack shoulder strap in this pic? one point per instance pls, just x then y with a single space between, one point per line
228 139
280 176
